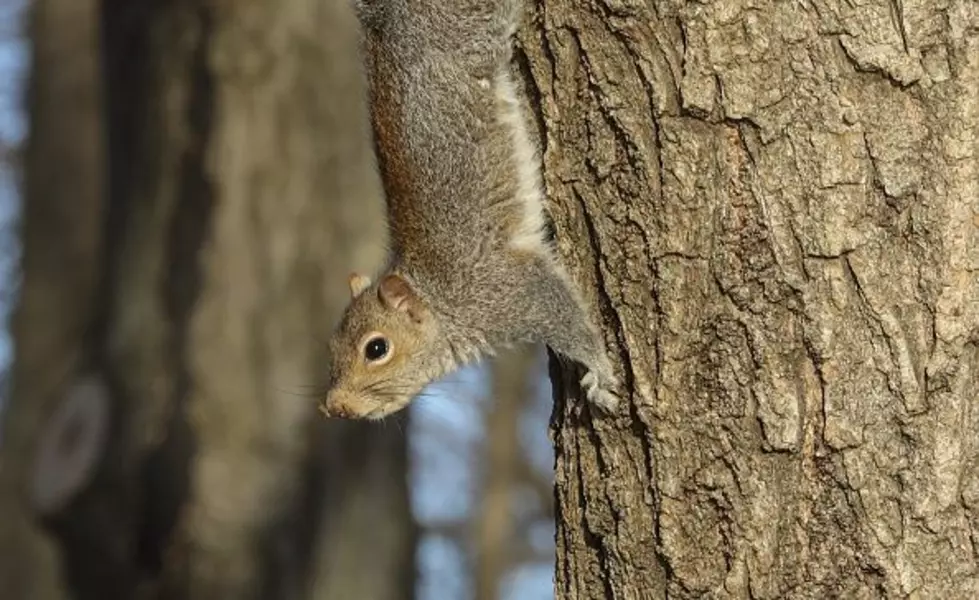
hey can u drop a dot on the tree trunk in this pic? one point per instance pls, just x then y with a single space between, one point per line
241 192
495 534
61 241
779 204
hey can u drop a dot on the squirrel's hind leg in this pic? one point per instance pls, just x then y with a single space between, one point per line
558 319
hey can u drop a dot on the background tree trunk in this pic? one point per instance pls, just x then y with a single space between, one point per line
241 192
781 204
61 237
495 536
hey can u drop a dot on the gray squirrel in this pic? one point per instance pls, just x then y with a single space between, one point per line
470 270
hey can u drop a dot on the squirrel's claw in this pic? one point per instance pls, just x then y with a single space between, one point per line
600 393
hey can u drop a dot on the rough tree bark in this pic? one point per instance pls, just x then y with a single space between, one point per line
779 204
240 194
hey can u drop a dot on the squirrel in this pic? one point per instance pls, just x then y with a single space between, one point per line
470 270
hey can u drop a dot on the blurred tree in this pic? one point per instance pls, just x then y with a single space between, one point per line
495 530
181 272
484 437
775 209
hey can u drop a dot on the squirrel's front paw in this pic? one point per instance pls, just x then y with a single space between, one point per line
600 392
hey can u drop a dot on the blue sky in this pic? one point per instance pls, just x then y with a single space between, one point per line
13 129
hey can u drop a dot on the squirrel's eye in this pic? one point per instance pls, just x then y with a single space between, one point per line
376 349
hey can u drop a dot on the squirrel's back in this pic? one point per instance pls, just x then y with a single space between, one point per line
460 170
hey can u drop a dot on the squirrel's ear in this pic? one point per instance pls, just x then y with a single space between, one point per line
358 283
396 293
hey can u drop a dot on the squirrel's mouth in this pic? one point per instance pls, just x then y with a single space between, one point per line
386 409
342 404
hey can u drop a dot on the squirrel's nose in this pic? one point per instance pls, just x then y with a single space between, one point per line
336 406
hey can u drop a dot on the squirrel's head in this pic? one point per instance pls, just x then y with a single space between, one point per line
386 349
